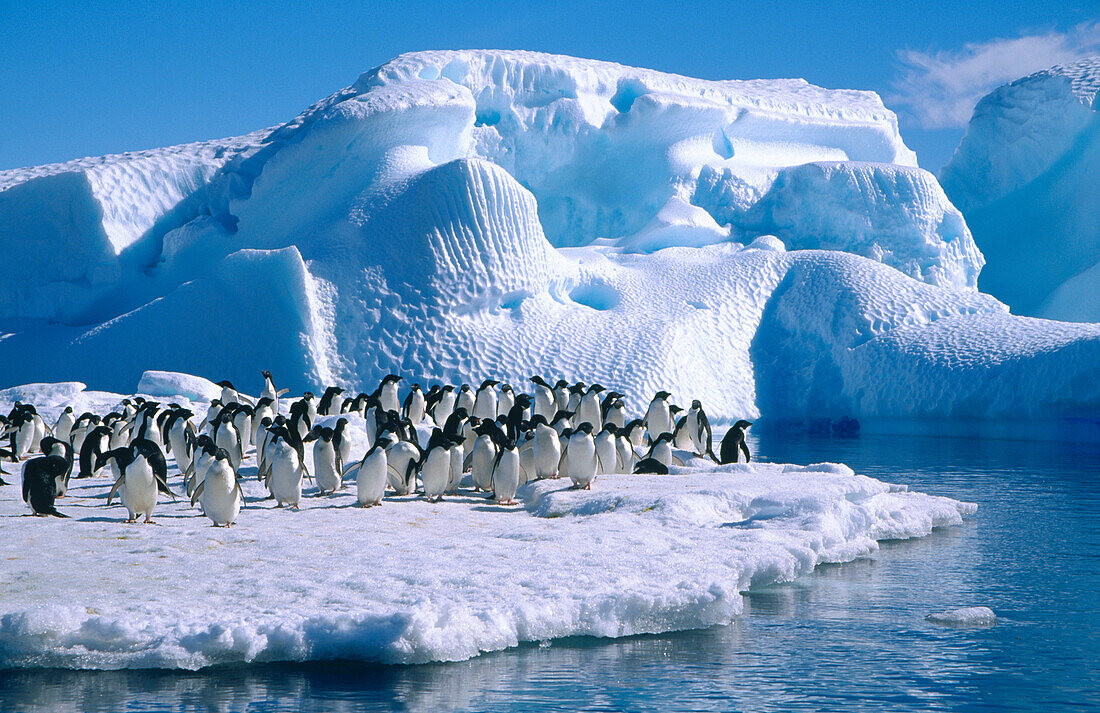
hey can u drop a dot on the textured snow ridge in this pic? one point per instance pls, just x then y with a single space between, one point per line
462 215
412 582
1027 173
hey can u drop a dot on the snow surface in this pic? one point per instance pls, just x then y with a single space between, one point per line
965 616
411 582
1027 177
458 215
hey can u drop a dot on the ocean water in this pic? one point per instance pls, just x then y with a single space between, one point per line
847 637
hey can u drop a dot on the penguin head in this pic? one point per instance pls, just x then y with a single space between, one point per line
561 384
307 396
539 380
661 396
674 409
226 384
391 379
68 409
596 388
538 420
666 436
523 400
487 384
267 375
742 424
506 388
697 404
585 427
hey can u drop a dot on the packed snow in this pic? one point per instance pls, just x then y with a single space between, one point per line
1026 176
464 214
411 581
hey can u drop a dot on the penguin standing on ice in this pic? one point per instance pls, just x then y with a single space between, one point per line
658 417
580 457
507 473
370 480
435 467
545 404
55 447
734 441
415 405
220 492
40 484
387 393
328 405
95 443
138 481
484 455
485 400
64 425
547 448
694 429
326 461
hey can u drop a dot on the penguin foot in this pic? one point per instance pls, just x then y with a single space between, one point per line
587 486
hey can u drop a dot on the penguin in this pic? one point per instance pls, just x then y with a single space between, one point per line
650 466
562 421
242 421
733 441
484 456
415 405
228 437
627 456
514 418
371 476
526 446
51 446
95 443
658 417
576 393
456 450
607 451
265 408
326 466
544 403
506 473
22 430
464 398
561 396
327 406
401 460
661 450
507 399
284 469
301 422
63 428
547 448
635 432
202 457
230 394
440 409
588 409
485 400
137 481
699 432
387 393
40 484
270 392
435 467
4 453
85 422
580 457
340 443
615 413
220 493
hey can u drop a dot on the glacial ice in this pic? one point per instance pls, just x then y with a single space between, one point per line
1027 175
964 616
410 581
768 246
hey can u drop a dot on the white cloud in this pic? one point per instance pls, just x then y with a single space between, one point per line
940 89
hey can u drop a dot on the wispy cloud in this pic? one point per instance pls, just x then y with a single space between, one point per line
939 89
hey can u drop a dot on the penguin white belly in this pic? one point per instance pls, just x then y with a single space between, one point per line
139 489
547 452
416 408
658 420
683 437
506 477
486 405
527 462
505 403
64 426
324 467
435 473
221 499
227 438
24 439
589 412
581 461
399 456
544 405
285 482
627 457
202 464
481 464
445 407
243 422
388 397
662 452
606 453
370 482
458 457
616 416
40 432
179 448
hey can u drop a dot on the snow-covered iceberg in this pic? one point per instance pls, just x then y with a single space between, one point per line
767 246
1027 177
411 581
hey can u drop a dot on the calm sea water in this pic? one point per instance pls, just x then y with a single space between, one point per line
849 636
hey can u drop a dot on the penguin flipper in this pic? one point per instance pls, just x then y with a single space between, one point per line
197 493
163 487
115 487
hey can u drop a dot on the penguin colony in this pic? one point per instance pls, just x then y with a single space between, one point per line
501 438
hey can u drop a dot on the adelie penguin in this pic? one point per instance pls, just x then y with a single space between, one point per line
55 447
328 406
733 441
693 432
220 492
40 484
370 480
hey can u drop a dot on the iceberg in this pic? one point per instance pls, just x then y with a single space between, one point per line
1026 177
767 246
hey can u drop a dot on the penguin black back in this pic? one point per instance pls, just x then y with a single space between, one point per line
39 483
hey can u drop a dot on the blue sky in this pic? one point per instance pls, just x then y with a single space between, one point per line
79 80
